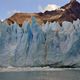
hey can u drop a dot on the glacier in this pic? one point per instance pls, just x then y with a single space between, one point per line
34 45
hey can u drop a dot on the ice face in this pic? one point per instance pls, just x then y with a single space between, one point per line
36 45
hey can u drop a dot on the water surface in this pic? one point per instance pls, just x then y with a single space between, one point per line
41 75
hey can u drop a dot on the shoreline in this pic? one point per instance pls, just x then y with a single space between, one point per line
19 69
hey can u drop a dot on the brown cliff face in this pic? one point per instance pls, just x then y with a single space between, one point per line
69 12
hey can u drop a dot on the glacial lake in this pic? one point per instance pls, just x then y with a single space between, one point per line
41 75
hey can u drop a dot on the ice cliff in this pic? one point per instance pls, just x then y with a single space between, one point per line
40 45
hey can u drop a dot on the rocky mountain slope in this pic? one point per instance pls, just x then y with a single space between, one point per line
68 12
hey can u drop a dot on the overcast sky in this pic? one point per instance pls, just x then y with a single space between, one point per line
8 7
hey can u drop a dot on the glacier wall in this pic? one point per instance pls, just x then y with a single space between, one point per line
33 45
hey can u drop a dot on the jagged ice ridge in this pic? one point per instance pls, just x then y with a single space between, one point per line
36 45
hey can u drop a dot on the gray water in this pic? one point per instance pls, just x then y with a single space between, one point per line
41 75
